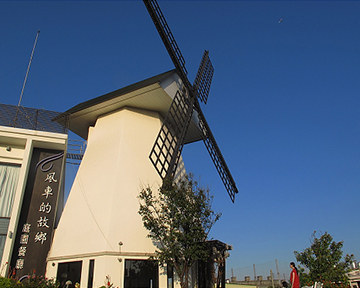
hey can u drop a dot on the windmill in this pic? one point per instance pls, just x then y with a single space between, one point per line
168 145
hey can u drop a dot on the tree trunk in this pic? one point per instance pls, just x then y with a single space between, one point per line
184 282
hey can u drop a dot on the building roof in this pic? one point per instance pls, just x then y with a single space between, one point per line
29 118
154 94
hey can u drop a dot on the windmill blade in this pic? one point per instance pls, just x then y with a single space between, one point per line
203 78
168 145
170 140
217 157
168 39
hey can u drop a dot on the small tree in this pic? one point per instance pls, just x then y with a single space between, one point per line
323 260
179 220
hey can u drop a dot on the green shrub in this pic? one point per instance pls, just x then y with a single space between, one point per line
31 282
39 282
7 283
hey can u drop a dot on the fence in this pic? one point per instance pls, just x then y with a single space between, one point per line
30 118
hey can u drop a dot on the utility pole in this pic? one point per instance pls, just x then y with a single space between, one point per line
272 278
254 272
233 278
278 273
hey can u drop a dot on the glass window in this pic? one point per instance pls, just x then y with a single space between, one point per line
9 175
141 274
2 245
91 273
69 273
170 276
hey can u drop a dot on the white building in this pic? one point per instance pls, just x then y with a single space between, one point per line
32 150
354 275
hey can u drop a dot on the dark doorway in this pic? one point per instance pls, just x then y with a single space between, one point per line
69 272
141 274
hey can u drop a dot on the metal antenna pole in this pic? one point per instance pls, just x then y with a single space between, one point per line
28 68
27 73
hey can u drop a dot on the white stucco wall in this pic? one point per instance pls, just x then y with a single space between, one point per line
102 207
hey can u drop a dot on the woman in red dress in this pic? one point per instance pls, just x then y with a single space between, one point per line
294 277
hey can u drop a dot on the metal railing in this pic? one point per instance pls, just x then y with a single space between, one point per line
30 118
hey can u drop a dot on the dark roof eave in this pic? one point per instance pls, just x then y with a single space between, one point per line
61 119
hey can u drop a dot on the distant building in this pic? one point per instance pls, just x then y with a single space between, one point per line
354 276
235 285
259 282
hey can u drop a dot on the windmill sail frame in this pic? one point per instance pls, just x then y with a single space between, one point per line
168 145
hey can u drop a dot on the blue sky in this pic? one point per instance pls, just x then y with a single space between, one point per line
283 105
